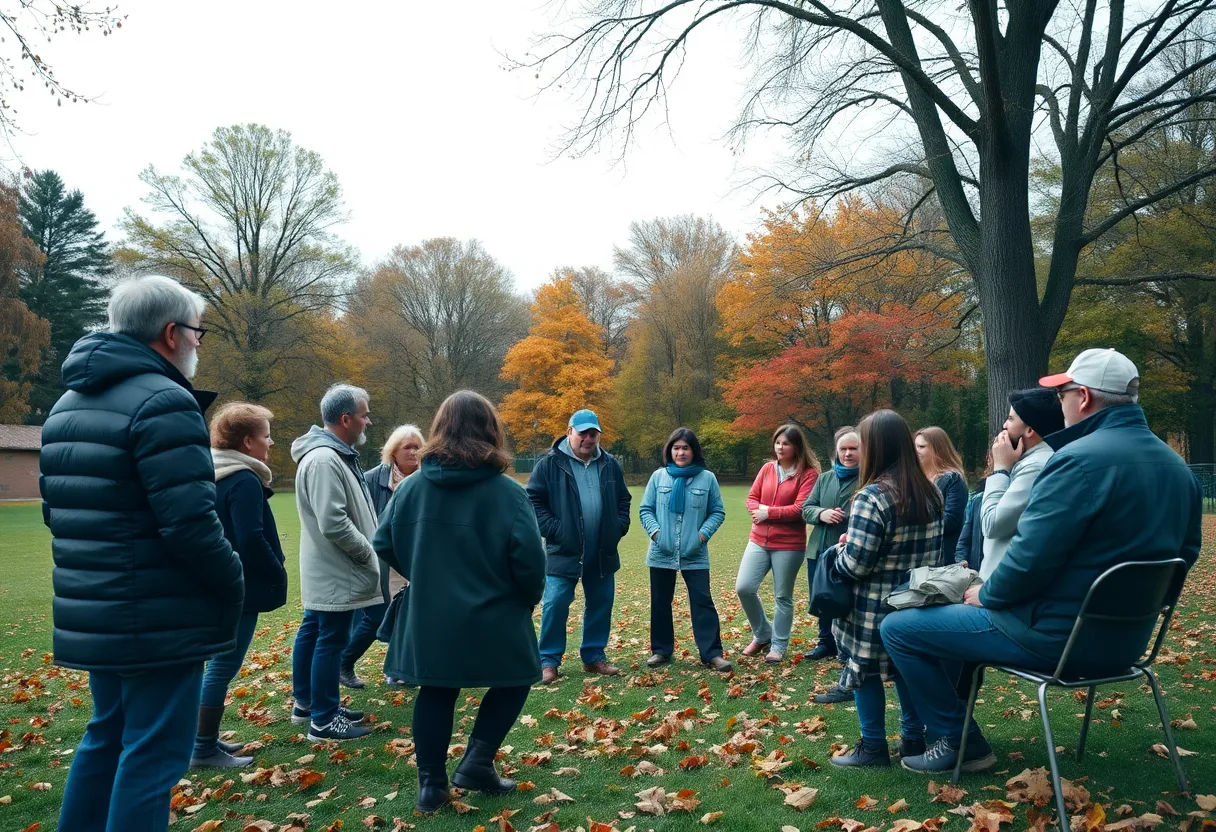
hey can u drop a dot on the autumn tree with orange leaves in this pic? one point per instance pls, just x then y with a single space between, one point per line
559 368
823 343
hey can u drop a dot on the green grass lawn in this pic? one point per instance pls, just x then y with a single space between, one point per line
45 710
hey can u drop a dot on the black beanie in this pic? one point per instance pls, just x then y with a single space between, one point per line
1039 408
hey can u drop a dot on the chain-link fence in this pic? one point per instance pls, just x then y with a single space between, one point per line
1206 474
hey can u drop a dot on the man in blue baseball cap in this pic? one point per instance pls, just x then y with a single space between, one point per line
582 507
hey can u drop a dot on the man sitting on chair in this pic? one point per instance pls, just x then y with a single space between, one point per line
1112 493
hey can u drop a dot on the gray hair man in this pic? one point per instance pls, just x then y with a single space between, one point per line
146 588
339 572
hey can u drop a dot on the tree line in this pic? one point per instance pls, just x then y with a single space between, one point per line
817 317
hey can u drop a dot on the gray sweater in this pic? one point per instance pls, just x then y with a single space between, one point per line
1005 498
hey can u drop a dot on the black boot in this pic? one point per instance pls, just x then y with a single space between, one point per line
433 792
864 755
477 772
346 675
911 746
209 717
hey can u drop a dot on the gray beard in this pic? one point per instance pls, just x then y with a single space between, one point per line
186 362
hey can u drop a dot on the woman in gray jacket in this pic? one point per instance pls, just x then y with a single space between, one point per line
680 511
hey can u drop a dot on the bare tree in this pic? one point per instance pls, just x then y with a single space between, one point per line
958 97
249 225
609 303
443 315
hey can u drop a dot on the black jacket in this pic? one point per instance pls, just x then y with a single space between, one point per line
970 545
554 496
377 485
143 575
954 496
243 506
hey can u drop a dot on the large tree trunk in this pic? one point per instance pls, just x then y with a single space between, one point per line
1200 396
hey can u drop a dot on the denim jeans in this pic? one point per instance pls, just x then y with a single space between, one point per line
316 662
756 563
363 633
871 701
135 749
927 643
706 628
598 595
223 668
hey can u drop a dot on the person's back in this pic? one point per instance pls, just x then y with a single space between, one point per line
1113 492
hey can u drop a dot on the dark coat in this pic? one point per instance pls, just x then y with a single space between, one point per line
466 540
954 495
554 496
970 547
144 576
1112 492
377 485
829 491
243 506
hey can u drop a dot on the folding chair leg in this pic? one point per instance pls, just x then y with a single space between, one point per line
1061 806
962 746
1163 710
1089 709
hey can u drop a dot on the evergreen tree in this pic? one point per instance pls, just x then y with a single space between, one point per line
67 289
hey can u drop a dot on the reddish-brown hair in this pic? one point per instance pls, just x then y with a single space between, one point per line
235 421
467 432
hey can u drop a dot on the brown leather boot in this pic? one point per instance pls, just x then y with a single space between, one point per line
719 664
602 668
548 675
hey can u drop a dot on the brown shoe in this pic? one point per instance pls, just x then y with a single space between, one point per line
719 664
755 648
602 668
548 675
657 660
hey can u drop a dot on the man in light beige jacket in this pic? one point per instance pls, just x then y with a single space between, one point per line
339 572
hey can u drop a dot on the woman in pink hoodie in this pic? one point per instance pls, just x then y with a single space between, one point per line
777 541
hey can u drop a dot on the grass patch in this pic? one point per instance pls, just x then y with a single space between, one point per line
45 710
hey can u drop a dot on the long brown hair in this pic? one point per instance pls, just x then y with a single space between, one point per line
804 457
467 432
888 458
945 457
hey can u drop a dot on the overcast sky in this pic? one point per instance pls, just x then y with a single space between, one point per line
409 104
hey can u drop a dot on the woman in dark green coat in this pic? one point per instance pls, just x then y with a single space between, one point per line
465 537
826 511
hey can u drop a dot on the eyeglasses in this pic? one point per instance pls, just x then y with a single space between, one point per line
1067 388
198 329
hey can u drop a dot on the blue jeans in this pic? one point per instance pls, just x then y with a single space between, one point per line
135 749
926 644
598 595
223 668
316 662
363 630
871 701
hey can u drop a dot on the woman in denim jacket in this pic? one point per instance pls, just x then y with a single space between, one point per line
681 510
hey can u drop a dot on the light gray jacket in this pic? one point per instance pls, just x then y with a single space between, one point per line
338 567
1005 498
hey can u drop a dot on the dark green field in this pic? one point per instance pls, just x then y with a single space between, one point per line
45 711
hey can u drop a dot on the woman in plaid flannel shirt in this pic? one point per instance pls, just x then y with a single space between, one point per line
895 525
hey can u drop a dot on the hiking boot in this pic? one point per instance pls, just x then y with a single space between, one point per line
548 674
433 792
719 664
911 746
657 660
602 668
348 679
821 651
303 716
834 695
340 729
864 754
941 756
477 771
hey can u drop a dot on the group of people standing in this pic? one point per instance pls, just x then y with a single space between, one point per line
166 552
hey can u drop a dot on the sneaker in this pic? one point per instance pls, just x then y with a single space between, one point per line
340 729
303 716
941 756
219 758
911 746
864 755
821 651
834 695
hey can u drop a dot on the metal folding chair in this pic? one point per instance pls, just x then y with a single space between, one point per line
1131 593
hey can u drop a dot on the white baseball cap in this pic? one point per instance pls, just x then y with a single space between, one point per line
1107 370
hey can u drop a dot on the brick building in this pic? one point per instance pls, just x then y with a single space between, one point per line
20 446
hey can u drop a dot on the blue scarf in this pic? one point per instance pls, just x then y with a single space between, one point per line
677 490
843 473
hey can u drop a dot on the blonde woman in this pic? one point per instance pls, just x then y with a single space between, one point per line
942 464
398 459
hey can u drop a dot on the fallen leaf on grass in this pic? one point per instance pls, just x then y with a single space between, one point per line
1187 724
693 761
374 821
1207 802
553 796
463 808
906 825
898 806
39 787
1030 786
801 798
260 826
710 817
1165 808
866 802
209 826
1164 752
946 793
567 771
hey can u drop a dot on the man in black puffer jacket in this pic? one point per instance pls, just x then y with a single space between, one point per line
146 587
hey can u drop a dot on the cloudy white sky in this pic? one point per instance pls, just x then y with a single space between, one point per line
409 104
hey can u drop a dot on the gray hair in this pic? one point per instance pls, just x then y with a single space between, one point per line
1106 400
340 400
143 306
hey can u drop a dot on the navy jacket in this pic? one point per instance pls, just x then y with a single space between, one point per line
143 575
954 498
243 506
554 496
970 545
1113 492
